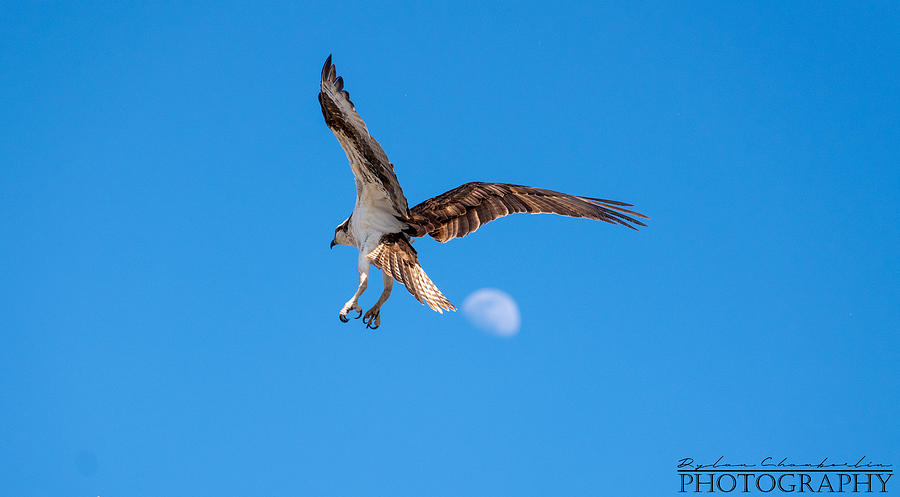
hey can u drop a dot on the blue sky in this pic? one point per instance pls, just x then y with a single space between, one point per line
169 189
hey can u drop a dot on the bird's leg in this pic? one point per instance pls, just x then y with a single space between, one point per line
353 304
373 315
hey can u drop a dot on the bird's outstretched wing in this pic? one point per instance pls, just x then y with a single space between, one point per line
369 162
395 256
464 209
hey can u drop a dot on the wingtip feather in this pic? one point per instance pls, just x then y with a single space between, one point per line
326 67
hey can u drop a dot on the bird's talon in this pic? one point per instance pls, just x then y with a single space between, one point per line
347 308
358 315
373 318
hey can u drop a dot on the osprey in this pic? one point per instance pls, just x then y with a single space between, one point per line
382 224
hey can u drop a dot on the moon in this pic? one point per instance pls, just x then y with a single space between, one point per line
493 311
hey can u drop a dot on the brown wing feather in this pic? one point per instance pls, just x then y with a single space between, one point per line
367 159
395 256
464 209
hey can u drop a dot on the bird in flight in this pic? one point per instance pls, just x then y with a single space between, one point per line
382 224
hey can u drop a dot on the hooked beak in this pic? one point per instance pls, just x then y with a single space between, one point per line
332 244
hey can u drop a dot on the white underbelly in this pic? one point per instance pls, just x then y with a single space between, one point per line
373 217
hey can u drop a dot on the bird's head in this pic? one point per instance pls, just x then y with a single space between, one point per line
342 234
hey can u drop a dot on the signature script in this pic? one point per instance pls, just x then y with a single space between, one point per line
769 462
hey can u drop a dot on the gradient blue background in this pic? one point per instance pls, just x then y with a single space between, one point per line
169 190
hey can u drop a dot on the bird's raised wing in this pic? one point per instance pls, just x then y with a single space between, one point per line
369 162
464 209
395 256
